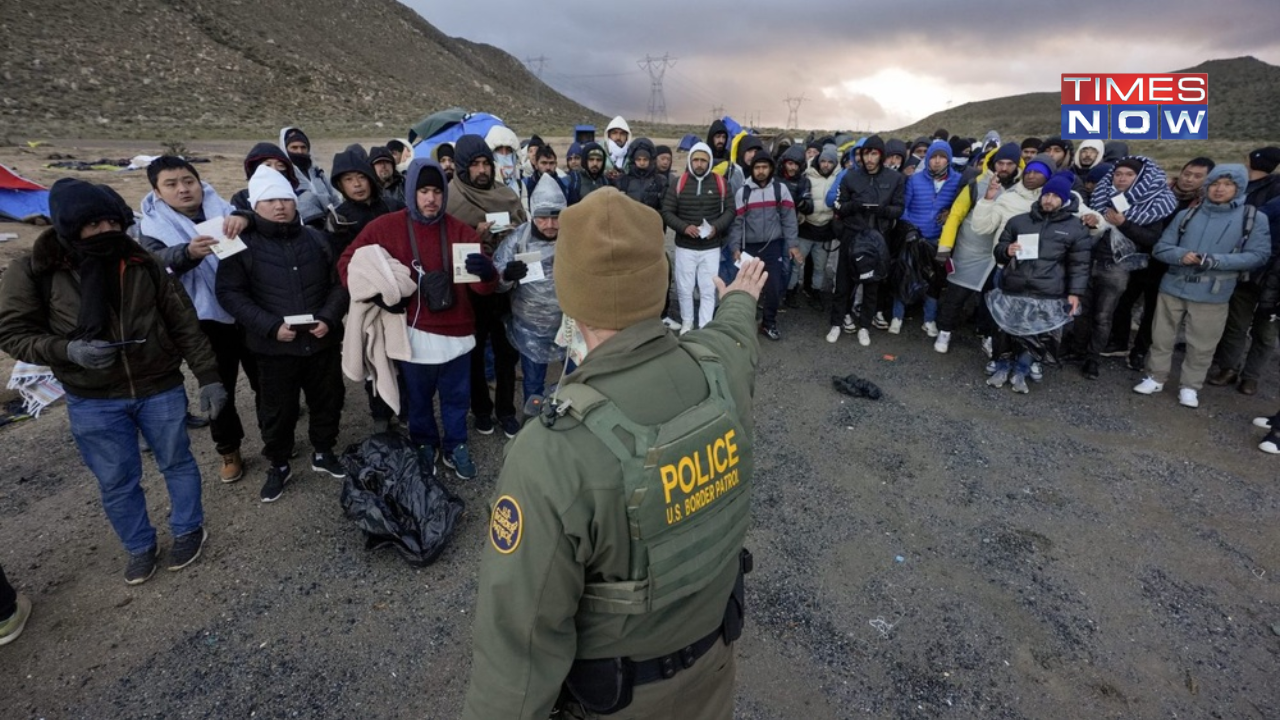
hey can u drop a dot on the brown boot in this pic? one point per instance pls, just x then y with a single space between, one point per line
1249 387
232 467
1225 376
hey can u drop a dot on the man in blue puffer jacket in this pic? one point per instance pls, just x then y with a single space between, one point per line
929 195
1206 250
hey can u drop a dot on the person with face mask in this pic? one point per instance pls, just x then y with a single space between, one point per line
968 252
568 482
312 211
503 145
310 175
1206 248
642 182
113 327
475 193
1041 290
617 138
817 229
440 318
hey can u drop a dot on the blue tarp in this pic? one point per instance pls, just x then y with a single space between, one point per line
24 205
471 123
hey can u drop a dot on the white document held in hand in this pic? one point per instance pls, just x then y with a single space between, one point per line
743 258
704 230
1030 243
501 221
225 247
533 261
1120 203
295 321
460 253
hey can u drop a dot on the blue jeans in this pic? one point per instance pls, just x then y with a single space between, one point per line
452 380
776 261
106 432
535 375
930 309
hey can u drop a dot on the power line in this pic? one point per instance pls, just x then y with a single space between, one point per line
657 68
539 61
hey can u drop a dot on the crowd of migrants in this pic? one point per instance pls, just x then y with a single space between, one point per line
1040 252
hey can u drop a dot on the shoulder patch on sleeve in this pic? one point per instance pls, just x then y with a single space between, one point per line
505 528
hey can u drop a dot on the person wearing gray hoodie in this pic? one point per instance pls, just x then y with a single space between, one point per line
1206 249
310 175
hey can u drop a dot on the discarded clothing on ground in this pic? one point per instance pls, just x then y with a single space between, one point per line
855 386
395 501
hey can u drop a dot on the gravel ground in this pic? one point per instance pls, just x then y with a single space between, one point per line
947 551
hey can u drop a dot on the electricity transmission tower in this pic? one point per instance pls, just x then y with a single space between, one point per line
717 112
793 112
535 65
657 68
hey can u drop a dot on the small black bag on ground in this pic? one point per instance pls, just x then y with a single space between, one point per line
387 495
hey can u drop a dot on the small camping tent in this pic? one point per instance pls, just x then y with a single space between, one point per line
21 199
447 126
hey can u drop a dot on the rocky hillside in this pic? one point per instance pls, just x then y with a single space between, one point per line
1244 101
188 68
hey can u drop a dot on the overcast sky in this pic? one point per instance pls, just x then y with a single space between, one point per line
858 65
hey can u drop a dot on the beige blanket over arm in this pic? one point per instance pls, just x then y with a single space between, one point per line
373 336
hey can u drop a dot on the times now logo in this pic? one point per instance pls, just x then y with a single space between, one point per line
1160 106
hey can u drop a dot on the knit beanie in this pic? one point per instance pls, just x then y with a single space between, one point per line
611 269
1066 145
444 150
1008 151
1032 142
268 184
1060 185
296 135
662 150
1041 163
830 156
1132 163
1097 172
1265 159
75 203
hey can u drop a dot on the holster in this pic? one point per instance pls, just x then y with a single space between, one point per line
601 686
735 611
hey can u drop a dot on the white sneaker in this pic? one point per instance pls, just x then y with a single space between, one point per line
849 325
671 323
1037 372
864 338
879 322
1148 386
1262 422
987 347
895 326
1269 447
685 328
943 344
1188 397
833 334
931 329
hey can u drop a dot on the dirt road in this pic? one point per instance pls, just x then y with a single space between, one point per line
948 551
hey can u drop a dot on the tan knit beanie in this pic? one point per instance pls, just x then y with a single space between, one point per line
611 268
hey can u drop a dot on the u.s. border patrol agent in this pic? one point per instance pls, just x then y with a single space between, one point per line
611 583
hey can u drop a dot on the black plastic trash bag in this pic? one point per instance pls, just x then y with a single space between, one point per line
387 495
914 272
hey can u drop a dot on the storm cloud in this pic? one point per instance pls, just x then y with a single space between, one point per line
859 67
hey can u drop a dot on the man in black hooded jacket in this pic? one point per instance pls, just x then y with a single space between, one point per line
310 209
363 198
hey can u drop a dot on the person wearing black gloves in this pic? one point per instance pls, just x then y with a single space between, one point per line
284 292
96 308
438 314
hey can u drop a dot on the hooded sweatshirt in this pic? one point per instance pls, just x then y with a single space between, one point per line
763 215
535 312
647 186
311 177
391 231
798 184
1214 230
1082 170
819 187
470 203
506 167
352 216
927 197
702 197
588 183
617 154
310 209
721 155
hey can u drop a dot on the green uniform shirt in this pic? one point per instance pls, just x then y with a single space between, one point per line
561 522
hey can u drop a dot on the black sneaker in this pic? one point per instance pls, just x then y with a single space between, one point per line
141 567
277 478
770 331
1137 360
327 462
1090 369
427 459
510 426
460 462
186 548
484 425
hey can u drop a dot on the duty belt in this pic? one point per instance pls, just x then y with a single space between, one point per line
666 666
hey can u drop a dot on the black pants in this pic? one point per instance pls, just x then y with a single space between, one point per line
229 351
955 298
280 379
379 409
8 597
1093 329
846 287
1143 284
489 328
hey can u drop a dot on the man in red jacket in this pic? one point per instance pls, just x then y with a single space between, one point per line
439 316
